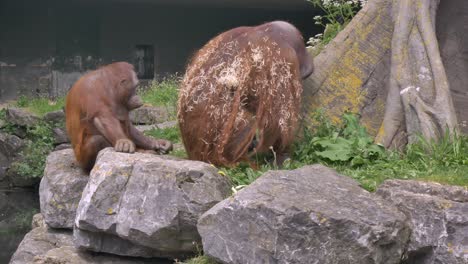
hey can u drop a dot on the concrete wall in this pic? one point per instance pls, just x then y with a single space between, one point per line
46 45
25 48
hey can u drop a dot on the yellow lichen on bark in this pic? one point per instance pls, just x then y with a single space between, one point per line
373 122
341 90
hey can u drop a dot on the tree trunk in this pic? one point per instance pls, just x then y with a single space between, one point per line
386 65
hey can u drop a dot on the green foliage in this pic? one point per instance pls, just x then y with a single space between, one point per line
7 126
170 133
180 152
351 151
449 150
349 144
39 143
40 106
164 93
22 101
336 11
22 220
445 161
336 15
244 174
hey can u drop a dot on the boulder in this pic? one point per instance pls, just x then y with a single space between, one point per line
44 245
38 241
60 136
19 132
163 125
167 124
9 146
16 179
20 117
38 221
63 146
4 165
55 117
146 205
60 189
308 215
147 115
438 216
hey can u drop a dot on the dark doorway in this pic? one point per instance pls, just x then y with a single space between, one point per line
144 61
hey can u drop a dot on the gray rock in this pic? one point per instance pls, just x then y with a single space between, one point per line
44 245
146 205
17 180
38 221
55 117
167 124
38 241
21 117
308 215
149 115
438 216
19 131
4 181
61 188
63 146
10 145
60 136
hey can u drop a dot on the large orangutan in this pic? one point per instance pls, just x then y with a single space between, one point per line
97 114
243 86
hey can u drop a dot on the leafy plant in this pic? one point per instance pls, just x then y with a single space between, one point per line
23 219
348 144
40 142
336 15
7 127
445 161
22 101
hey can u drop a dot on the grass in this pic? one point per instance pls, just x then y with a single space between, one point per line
171 133
350 150
163 93
445 162
39 106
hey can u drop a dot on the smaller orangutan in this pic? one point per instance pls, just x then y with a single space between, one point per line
241 94
97 114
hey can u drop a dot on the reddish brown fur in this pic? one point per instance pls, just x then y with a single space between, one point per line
243 83
97 114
